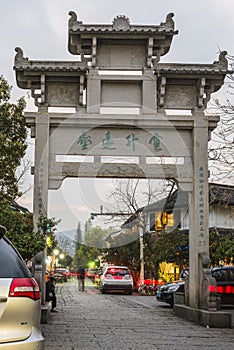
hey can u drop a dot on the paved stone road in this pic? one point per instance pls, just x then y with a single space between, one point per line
90 320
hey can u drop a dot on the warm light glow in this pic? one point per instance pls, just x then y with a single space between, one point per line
48 260
163 218
56 252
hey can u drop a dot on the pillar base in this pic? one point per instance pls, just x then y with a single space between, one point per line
212 319
44 313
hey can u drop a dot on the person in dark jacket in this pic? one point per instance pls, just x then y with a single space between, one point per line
50 293
81 278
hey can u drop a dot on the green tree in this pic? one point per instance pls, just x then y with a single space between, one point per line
95 236
172 247
221 248
67 261
20 231
91 248
13 145
125 254
86 254
79 233
47 227
78 237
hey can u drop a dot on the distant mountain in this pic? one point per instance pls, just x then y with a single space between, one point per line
71 234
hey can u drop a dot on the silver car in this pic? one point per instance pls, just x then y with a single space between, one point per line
116 278
20 304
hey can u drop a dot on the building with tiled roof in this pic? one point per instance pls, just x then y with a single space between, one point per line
221 211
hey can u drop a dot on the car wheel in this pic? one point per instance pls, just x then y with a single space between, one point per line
171 303
130 291
103 290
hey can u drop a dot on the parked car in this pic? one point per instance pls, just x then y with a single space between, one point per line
165 292
20 304
224 277
116 278
60 274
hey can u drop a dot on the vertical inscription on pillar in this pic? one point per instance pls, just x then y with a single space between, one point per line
40 189
202 211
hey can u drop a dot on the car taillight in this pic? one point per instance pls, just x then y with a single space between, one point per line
24 287
225 289
229 289
127 277
212 289
108 276
219 289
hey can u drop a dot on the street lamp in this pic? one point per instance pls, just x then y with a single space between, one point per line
56 253
61 257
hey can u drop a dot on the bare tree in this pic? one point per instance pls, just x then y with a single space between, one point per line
132 195
21 175
221 146
125 197
65 244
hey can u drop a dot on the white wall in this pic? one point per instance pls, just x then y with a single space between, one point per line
221 217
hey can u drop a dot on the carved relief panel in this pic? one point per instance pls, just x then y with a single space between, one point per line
63 95
180 97
121 56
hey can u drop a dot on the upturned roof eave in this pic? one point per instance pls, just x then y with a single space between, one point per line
50 66
186 68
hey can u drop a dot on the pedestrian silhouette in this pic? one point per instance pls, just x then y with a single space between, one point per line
81 278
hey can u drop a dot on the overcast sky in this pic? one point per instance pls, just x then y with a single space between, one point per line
40 28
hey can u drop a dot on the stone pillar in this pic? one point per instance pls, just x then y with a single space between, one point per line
93 92
149 92
198 207
40 197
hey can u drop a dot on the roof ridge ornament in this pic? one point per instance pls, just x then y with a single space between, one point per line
19 57
121 22
73 19
222 62
169 24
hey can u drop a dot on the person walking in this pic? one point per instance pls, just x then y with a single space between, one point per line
81 278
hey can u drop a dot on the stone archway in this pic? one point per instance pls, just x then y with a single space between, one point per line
126 103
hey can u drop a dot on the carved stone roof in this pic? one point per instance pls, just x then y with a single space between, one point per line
24 64
121 24
191 68
214 73
28 72
51 66
80 34
220 66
